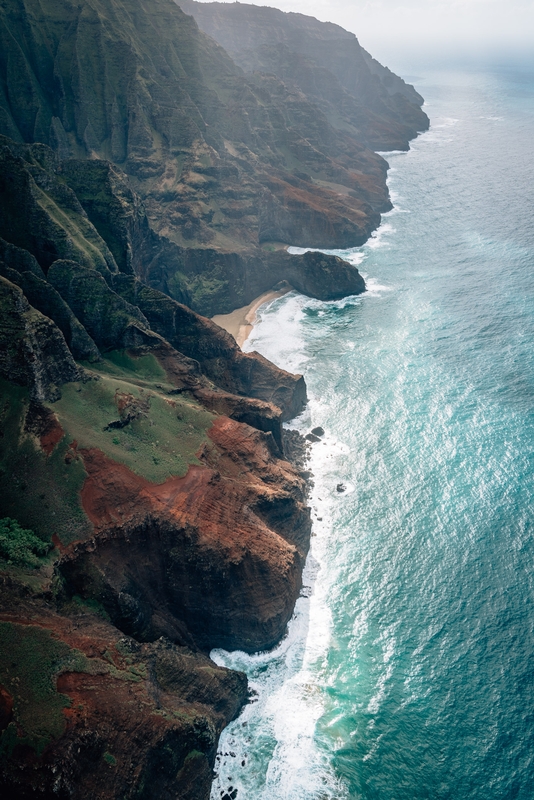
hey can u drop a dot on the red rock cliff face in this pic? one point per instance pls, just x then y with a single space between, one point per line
213 558
135 720
208 553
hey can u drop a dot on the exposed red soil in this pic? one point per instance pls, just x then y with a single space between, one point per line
52 437
44 424
134 716
215 506
218 551
211 499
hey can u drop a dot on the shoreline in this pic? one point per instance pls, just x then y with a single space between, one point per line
240 322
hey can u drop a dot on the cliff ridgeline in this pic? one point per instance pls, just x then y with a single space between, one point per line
148 513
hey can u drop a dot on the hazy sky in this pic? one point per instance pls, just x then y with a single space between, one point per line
425 24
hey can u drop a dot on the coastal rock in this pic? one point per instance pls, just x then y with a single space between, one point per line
296 449
215 282
185 374
320 280
217 353
114 718
207 574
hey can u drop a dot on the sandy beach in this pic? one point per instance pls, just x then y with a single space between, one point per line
241 321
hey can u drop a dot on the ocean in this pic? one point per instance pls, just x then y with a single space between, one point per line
408 668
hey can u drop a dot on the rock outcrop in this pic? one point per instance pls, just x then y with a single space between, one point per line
148 512
33 352
218 529
108 717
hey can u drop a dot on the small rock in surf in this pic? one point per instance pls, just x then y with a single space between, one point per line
318 431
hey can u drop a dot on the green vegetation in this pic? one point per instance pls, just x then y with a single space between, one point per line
20 546
41 492
59 228
103 313
30 661
151 433
89 605
82 240
142 370
154 435
205 292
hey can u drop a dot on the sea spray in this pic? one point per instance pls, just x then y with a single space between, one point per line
271 749
407 673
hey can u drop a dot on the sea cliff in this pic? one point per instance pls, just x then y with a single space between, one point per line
149 511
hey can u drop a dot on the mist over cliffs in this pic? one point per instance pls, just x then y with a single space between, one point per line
148 512
225 161
323 61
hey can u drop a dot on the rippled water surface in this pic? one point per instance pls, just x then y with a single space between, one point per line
408 670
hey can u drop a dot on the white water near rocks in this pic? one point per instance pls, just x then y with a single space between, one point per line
407 671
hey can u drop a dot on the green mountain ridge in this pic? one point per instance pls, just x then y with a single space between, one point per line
223 161
149 511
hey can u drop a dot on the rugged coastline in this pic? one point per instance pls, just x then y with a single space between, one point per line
152 506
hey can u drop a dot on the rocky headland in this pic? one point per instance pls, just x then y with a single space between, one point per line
149 507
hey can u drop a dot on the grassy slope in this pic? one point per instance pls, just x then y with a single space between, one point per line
31 659
43 492
160 442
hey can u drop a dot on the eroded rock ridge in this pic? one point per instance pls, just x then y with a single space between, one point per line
149 511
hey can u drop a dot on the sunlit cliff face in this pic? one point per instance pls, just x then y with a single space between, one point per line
456 27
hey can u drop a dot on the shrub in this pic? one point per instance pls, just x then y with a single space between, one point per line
19 546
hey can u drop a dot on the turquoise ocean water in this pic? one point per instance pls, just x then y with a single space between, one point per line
408 669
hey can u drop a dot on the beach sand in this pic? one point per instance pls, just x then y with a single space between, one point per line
241 321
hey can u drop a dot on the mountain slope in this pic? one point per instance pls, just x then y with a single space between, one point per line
147 510
147 514
224 162
355 92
